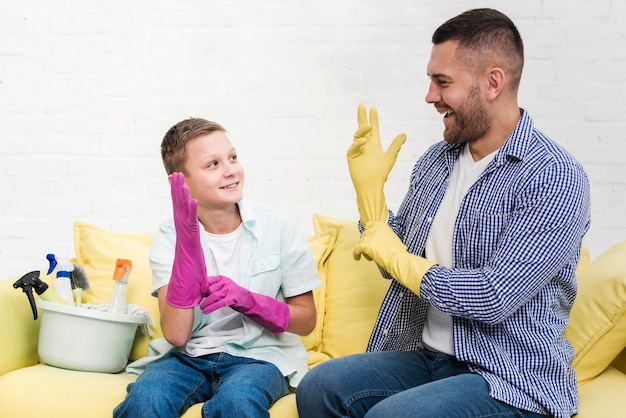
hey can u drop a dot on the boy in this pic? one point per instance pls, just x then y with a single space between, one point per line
234 281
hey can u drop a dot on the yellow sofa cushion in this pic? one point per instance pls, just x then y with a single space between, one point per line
585 259
20 332
599 397
47 391
597 325
620 361
354 291
320 247
97 250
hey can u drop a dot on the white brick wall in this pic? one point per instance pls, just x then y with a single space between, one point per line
88 88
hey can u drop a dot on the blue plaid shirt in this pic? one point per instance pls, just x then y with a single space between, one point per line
516 246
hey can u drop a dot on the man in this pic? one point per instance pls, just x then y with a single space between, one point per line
482 251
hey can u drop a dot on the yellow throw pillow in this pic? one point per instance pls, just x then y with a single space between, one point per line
620 361
597 325
320 247
97 250
354 291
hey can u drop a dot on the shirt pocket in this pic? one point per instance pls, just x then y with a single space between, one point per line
266 275
480 237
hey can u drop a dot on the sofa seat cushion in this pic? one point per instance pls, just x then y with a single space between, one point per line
46 391
603 396
285 407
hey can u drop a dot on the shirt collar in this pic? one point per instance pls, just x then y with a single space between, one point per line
517 144
248 215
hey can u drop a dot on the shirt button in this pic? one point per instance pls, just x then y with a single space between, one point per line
401 294
429 219
385 332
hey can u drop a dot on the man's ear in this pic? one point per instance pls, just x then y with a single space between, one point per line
495 83
169 179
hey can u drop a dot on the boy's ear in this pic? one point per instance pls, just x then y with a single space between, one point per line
169 179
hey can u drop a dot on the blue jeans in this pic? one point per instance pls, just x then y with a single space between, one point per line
229 387
398 384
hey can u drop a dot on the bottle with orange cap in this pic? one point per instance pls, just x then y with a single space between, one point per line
117 302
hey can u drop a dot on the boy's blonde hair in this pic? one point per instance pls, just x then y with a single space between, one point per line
174 143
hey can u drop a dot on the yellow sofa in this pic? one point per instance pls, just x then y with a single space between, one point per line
347 305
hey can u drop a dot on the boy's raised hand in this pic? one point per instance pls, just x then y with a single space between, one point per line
369 166
189 268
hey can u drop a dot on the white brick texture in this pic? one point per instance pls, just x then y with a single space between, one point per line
88 88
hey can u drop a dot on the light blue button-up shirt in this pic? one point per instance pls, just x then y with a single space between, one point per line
276 261
516 246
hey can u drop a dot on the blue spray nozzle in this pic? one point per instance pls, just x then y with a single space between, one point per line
53 262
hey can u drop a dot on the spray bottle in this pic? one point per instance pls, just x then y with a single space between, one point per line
117 302
31 282
62 284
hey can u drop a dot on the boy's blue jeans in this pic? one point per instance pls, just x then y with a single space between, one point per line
397 384
229 387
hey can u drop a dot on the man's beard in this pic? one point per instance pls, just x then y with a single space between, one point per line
471 121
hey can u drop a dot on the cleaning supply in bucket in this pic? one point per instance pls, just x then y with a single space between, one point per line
62 284
79 281
117 302
31 282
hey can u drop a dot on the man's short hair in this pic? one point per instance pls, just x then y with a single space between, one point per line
486 36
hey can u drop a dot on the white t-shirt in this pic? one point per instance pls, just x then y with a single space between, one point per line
437 335
274 259
224 324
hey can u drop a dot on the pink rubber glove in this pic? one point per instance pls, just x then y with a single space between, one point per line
264 310
189 269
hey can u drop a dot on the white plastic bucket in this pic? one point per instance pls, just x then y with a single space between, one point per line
85 339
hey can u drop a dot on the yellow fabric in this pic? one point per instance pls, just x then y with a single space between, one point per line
45 391
585 259
620 361
20 332
320 247
354 291
369 166
597 325
285 407
603 397
380 244
97 250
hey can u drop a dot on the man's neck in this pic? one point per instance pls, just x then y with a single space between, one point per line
502 125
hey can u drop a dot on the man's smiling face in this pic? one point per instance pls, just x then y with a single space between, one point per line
456 93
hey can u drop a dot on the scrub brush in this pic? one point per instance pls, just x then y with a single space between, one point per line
78 278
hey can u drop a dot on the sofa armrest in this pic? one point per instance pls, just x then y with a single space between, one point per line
20 332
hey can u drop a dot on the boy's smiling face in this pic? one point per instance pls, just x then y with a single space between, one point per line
213 174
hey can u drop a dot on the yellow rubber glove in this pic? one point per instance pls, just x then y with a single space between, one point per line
369 166
379 243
